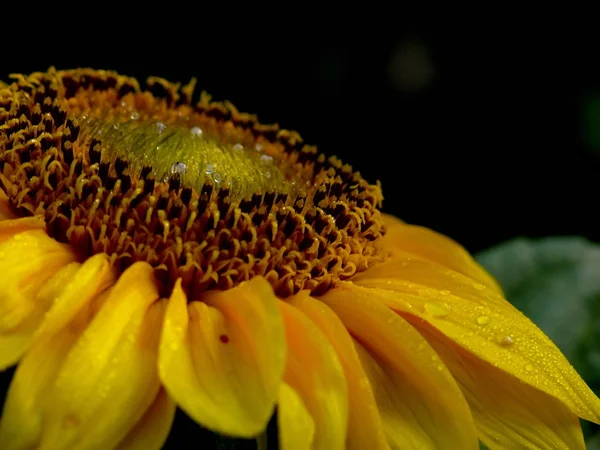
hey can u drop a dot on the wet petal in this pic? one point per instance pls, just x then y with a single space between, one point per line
365 429
109 378
296 426
15 342
222 358
429 245
152 430
482 322
21 422
314 371
28 259
508 413
420 403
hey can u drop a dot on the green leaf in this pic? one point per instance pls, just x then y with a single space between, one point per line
555 281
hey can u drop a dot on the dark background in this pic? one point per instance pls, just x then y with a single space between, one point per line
482 136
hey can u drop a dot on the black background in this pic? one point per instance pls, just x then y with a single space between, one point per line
491 147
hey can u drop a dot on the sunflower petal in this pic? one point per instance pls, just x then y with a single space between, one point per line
152 430
14 343
482 322
420 403
502 405
222 358
429 245
365 429
314 371
28 259
21 422
296 426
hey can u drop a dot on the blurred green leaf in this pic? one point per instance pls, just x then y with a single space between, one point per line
555 281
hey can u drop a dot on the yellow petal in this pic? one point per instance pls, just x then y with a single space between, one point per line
109 378
508 414
365 429
15 342
314 371
28 259
152 430
21 422
296 426
222 358
482 322
402 239
421 405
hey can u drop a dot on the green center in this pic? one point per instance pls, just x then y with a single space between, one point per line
190 153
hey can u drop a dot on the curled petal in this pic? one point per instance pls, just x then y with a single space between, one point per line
421 242
482 322
222 358
23 413
152 430
314 372
28 260
421 405
296 426
365 429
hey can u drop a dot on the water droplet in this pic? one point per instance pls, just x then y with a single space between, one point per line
506 341
196 131
178 167
238 147
160 127
209 168
528 367
258 147
478 286
440 367
217 177
268 174
134 115
482 320
266 159
437 309
116 126
444 292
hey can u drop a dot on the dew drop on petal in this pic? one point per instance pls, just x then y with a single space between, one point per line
209 168
134 115
217 177
437 309
482 320
444 292
479 286
528 367
506 341
440 367
238 147
196 131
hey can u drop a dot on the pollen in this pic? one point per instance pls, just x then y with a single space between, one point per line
200 191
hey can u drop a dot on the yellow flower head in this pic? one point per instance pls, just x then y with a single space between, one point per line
156 252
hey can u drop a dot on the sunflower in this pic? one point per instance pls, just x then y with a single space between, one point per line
158 251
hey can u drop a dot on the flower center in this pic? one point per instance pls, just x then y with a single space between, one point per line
201 192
